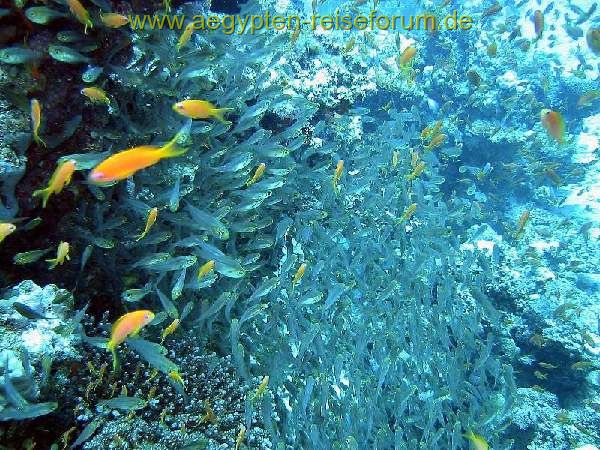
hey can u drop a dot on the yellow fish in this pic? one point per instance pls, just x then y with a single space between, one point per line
62 254
114 20
339 170
169 329
5 230
185 36
36 121
205 269
60 178
478 442
260 170
240 437
418 170
127 325
200 109
96 95
436 141
176 376
262 387
152 214
407 55
299 274
408 212
80 13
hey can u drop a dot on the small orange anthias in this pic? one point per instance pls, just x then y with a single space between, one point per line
127 325
200 109
60 178
554 124
124 164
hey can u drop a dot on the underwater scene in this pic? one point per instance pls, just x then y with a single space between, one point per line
299 224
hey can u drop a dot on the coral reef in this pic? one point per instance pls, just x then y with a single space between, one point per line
364 239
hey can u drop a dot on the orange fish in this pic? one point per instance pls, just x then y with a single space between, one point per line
200 109
80 13
407 55
36 121
114 20
127 325
60 178
554 123
124 164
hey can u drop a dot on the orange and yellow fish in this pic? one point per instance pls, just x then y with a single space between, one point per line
114 20
96 95
60 178
200 109
80 13
62 254
127 325
152 214
36 121
554 124
6 229
125 163
407 55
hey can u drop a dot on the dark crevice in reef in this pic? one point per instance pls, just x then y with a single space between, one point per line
226 6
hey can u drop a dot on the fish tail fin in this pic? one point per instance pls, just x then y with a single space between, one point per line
39 141
219 115
176 146
172 149
113 351
44 193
